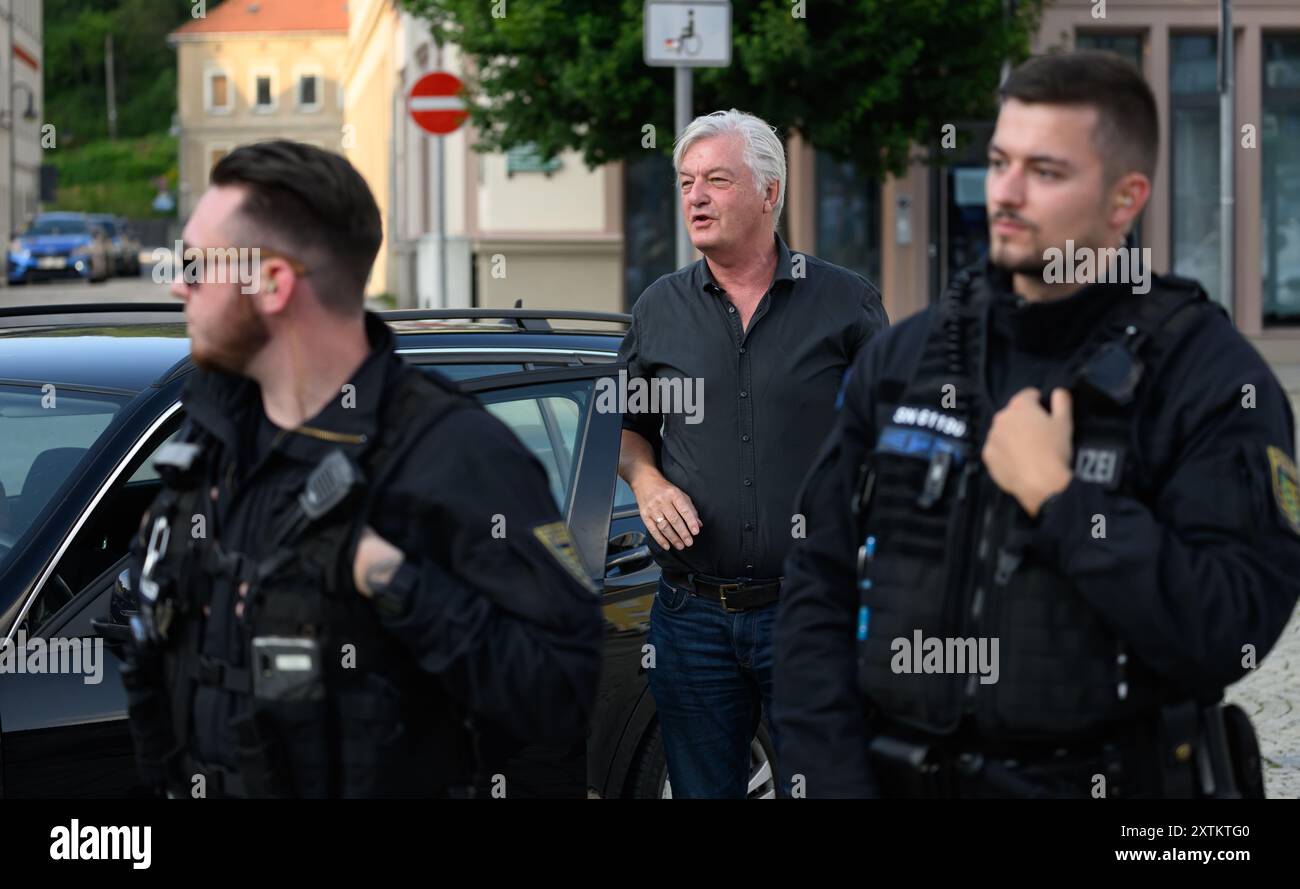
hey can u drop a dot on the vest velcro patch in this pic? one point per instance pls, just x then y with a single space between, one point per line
555 537
1099 464
911 442
1286 487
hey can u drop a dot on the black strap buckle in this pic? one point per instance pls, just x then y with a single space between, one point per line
216 672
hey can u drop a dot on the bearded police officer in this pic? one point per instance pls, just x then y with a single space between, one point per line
1055 519
325 607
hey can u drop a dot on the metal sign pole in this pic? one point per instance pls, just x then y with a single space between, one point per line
683 82
686 34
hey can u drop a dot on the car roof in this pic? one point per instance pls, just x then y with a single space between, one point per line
130 347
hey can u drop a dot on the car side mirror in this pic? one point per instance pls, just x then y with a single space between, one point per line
125 602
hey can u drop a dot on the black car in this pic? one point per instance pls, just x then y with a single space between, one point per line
89 393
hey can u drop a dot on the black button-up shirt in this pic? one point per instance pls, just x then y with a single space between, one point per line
767 404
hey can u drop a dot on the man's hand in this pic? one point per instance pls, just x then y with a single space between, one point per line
667 512
376 562
1027 451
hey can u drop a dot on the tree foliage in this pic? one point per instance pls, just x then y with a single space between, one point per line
144 66
862 79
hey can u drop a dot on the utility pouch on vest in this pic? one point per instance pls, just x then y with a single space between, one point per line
1214 760
287 669
1243 751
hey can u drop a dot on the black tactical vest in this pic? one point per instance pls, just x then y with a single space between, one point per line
946 553
348 727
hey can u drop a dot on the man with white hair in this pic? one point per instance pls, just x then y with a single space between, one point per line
767 335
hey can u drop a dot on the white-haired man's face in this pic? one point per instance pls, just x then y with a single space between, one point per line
723 208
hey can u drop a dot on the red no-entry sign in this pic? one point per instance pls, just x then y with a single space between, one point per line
435 103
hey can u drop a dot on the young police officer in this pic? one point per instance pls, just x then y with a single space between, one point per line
1055 520
325 607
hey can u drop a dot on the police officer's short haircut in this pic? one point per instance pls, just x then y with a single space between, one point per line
312 205
1127 134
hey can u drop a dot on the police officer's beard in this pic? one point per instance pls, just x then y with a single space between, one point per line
1000 251
233 344
1031 265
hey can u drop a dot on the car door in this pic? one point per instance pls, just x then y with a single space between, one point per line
65 732
607 529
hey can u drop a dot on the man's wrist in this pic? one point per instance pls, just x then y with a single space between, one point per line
393 599
639 474
1044 492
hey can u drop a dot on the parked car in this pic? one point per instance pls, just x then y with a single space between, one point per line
77 475
125 247
60 245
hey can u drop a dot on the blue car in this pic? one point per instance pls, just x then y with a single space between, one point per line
60 245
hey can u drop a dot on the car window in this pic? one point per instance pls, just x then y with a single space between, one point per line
105 536
547 418
46 431
57 227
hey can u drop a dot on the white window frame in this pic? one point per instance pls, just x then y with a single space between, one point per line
299 73
208 74
273 74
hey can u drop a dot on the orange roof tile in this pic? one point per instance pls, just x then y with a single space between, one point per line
270 15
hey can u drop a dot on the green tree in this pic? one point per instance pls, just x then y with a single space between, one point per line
144 66
862 79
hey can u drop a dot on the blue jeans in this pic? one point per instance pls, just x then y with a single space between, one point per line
712 681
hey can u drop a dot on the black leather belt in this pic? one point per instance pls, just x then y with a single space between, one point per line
736 594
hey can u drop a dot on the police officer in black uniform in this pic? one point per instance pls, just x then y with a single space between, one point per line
1058 514
356 581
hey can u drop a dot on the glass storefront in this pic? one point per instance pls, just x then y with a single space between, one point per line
1280 180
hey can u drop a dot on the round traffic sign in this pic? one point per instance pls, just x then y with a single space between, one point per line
435 103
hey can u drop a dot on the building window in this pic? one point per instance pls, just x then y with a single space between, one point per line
1194 158
310 87
265 90
1280 180
649 223
848 216
1127 45
216 95
307 92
